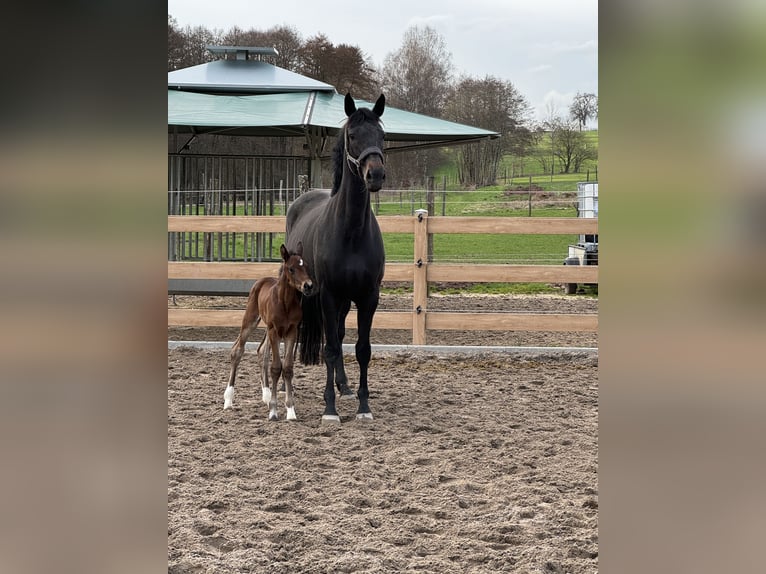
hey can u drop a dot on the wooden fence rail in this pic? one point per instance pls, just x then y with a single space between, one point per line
419 273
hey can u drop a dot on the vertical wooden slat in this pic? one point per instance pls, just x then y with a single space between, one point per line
420 284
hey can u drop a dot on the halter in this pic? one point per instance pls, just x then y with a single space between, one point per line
357 162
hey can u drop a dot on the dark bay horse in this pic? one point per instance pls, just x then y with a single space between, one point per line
343 250
276 302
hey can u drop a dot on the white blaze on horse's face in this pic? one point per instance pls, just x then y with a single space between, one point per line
299 275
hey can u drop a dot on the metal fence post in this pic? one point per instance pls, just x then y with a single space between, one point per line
420 280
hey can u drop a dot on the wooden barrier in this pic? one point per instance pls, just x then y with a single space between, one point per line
419 273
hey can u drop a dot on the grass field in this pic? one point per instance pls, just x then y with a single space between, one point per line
515 171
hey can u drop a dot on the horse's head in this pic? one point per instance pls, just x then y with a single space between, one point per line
295 270
364 142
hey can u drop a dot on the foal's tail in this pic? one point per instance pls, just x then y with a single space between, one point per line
311 331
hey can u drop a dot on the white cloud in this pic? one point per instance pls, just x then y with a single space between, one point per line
559 47
541 68
434 21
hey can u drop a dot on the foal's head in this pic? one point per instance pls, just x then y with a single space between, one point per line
295 270
364 142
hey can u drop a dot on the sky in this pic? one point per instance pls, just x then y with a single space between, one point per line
548 49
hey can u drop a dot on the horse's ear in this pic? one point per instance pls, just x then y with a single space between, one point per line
283 252
299 249
379 106
349 105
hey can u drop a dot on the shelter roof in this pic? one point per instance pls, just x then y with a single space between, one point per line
295 113
254 98
243 77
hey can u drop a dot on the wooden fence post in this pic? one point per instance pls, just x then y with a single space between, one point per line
420 280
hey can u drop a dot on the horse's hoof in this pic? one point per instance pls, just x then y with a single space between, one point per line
228 397
346 393
330 420
291 414
364 417
273 416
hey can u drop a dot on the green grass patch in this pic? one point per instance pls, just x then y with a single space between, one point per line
489 201
514 170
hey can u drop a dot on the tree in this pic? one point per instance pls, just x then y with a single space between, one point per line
316 57
344 66
354 73
175 45
288 42
285 39
584 107
570 147
417 78
187 46
495 105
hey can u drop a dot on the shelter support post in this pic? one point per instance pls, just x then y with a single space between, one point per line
316 142
315 173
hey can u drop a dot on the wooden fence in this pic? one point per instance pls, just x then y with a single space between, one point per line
419 273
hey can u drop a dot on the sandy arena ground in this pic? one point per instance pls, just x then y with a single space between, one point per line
480 463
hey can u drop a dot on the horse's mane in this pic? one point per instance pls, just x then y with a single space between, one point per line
337 163
359 117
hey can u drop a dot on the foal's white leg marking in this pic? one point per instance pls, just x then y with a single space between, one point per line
364 416
330 419
228 397
291 414
266 397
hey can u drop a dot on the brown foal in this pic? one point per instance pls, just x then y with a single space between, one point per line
276 302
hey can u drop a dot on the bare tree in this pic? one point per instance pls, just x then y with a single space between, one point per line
187 47
315 57
584 107
343 66
495 105
417 78
354 73
542 153
176 42
570 147
285 39
288 42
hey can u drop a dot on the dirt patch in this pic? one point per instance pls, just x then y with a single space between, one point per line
477 463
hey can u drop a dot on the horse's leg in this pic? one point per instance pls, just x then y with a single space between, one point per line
341 380
264 354
237 351
333 353
287 372
276 371
365 312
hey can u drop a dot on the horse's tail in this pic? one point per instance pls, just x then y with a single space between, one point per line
311 331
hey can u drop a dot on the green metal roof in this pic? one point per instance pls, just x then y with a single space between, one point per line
295 113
